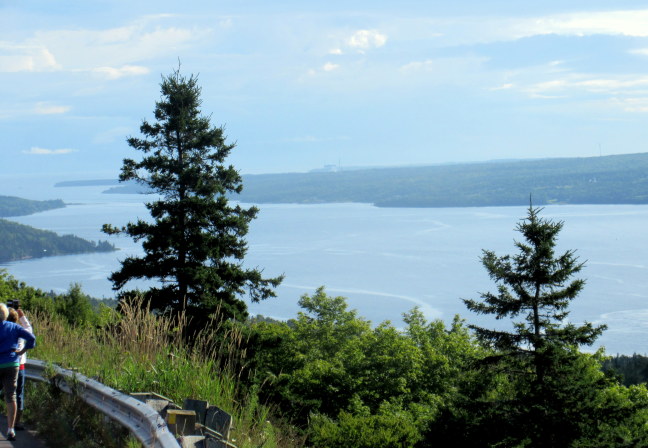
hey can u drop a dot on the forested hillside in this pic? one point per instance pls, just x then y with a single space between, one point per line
621 179
633 369
13 206
18 242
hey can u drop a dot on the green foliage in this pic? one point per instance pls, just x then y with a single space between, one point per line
342 381
69 422
76 308
549 394
13 206
358 384
18 242
349 430
579 406
632 369
620 420
141 351
618 179
195 243
30 298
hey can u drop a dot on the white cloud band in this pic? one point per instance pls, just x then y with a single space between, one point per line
116 73
43 151
50 109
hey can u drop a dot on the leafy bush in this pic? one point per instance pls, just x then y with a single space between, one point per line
364 431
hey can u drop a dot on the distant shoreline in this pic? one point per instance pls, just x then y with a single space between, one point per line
618 179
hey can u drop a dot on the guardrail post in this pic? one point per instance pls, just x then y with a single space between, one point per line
219 420
199 406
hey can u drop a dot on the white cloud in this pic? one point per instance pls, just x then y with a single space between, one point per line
611 84
554 84
627 92
166 38
505 86
26 58
367 39
593 85
329 67
469 30
113 52
627 23
43 151
116 73
631 104
336 51
50 109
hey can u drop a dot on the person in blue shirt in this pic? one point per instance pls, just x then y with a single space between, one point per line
16 315
10 333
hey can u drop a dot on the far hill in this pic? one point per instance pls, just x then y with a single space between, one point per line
620 179
13 206
19 242
128 187
87 183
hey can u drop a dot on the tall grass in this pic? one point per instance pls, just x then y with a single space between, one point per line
145 352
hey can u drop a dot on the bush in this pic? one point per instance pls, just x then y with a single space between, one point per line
364 431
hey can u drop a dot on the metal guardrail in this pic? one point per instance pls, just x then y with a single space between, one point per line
140 419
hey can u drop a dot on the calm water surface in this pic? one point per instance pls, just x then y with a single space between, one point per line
385 261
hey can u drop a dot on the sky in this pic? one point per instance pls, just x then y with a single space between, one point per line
302 84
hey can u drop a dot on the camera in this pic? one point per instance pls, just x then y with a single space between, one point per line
15 304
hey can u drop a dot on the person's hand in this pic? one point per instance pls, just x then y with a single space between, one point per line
20 313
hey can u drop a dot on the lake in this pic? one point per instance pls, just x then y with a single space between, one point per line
385 261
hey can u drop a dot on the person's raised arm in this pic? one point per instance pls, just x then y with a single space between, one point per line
23 321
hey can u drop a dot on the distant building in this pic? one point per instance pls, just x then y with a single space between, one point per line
326 169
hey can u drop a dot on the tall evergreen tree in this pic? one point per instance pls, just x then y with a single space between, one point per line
194 245
536 285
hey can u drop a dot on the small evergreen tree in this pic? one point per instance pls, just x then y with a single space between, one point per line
194 246
537 285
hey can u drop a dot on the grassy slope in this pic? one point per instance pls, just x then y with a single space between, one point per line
143 353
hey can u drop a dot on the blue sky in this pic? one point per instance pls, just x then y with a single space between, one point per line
300 84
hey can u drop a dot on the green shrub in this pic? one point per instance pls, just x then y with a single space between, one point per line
394 430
